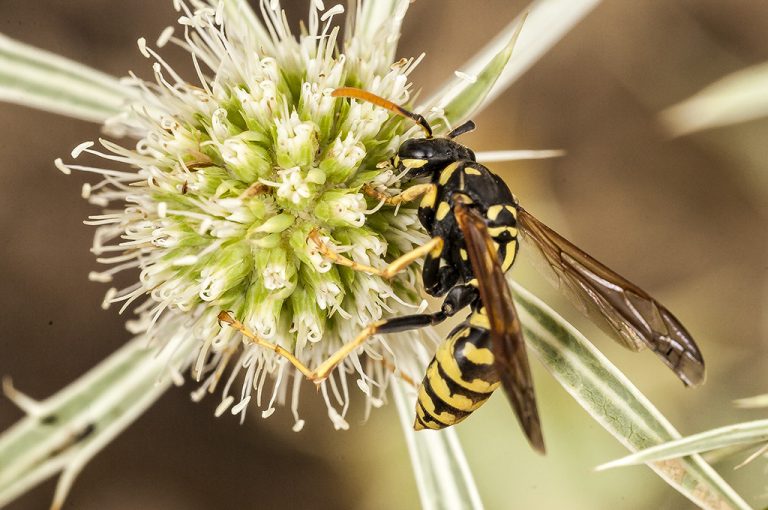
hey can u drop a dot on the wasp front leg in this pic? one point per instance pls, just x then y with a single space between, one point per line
434 245
438 279
408 195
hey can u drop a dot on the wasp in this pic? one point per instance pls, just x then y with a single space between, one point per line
475 225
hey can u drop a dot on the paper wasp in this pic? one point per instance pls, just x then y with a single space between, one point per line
475 224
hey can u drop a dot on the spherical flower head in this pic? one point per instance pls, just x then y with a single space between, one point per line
235 175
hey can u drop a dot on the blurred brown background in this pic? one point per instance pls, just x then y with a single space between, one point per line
680 217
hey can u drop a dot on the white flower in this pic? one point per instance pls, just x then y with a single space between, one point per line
232 172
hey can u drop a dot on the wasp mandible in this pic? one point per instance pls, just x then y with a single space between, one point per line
476 224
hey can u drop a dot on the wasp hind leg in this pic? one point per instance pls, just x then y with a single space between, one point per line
318 375
458 298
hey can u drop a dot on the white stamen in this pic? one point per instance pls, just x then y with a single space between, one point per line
336 9
111 293
241 405
99 277
61 166
364 387
223 406
188 260
164 36
142 43
80 148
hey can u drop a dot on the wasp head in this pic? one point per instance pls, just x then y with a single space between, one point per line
423 157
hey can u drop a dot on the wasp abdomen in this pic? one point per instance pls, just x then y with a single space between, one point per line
459 379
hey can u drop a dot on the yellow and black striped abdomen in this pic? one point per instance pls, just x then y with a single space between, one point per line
459 379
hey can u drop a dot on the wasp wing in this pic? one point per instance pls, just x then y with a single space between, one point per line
625 311
510 358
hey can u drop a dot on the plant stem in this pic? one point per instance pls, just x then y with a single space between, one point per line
63 432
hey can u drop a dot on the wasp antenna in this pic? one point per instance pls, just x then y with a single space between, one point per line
462 129
364 95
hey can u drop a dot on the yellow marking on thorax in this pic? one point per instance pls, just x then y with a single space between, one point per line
473 282
497 231
447 172
509 256
478 356
463 253
450 366
442 210
472 171
494 211
462 333
511 209
429 199
479 320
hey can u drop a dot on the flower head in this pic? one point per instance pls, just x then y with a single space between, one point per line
233 171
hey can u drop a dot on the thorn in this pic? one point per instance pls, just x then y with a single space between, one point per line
24 402
66 480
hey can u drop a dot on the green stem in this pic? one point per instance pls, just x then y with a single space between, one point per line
63 432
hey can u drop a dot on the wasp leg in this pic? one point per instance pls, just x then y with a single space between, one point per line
438 279
408 195
434 246
394 325
458 298
253 337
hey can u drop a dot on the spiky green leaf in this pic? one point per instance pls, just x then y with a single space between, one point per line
752 432
615 403
33 77
439 465
491 71
738 97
